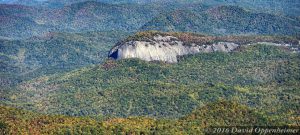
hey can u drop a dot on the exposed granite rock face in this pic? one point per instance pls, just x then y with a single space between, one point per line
168 48
165 48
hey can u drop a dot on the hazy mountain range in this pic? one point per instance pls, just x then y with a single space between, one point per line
19 21
272 6
224 20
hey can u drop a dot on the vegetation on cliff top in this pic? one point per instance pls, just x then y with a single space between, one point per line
201 39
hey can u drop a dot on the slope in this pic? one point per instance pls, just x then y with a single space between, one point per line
18 21
281 7
224 20
262 77
53 53
221 113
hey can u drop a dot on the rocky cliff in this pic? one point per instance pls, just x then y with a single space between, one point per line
156 46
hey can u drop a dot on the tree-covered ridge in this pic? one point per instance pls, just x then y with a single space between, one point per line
19 21
224 20
281 7
262 77
53 53
219 113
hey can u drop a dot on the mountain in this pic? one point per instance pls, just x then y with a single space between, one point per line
62 3
281 7
67 2
224 20
24 22
132 87
166 47
19 21
95 16
53 53
75 66
24 2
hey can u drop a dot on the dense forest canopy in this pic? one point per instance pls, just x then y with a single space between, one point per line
56 77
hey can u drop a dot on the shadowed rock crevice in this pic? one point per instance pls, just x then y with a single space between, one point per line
114 54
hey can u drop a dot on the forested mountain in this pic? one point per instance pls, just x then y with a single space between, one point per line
280 7
19 21
224 20
147 66
258 85
283 7
53 53
132 87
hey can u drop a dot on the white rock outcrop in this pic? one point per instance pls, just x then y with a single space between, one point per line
165 48
168 48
